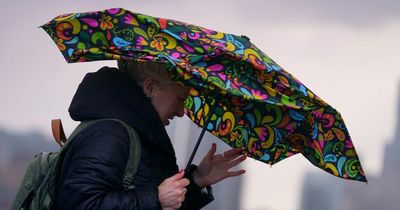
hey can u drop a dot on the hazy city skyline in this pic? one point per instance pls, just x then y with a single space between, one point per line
381 192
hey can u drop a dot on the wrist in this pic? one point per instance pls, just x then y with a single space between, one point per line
197 179
193 175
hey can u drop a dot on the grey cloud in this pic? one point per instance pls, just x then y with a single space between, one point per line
347 12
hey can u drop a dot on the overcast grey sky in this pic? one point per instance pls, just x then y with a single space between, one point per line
347 52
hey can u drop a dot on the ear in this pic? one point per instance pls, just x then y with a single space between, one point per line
149 85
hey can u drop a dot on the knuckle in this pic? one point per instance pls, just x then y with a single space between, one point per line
183 192
186 181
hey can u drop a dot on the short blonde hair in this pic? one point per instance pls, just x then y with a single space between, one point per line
138 71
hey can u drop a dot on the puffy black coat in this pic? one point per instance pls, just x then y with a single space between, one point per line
91 173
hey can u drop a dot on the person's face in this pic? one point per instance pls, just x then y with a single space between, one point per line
168 100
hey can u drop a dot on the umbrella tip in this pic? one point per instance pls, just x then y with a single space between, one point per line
245 37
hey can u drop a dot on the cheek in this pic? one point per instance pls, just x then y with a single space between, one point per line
164 105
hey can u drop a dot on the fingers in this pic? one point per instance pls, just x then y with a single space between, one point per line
211 152
172 191
225 165
236 161
179 180
182 183
181 198
232 154
235 173
177 176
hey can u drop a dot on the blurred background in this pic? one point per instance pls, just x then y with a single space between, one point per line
345 51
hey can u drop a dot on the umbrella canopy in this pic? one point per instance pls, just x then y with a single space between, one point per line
258 105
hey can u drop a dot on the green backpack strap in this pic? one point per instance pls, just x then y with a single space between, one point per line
134 150
82 126
134 157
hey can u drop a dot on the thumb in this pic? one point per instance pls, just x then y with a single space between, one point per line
178 176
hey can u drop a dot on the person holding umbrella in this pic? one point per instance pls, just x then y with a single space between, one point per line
238 94
142 95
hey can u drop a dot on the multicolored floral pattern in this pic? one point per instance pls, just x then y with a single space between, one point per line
261 107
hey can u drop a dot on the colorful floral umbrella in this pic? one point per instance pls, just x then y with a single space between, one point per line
257 104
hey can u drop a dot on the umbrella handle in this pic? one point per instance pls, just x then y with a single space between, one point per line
201 135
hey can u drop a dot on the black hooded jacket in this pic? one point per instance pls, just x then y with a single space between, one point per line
92 168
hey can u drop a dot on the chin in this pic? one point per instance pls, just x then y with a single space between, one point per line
166 123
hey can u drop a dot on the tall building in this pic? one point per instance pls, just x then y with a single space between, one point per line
320 192
382 192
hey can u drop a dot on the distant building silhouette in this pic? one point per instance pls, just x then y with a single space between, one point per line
16 151
320 192
381 193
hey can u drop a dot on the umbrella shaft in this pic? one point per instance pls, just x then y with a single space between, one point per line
201 135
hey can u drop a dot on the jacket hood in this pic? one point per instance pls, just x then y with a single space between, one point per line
109 93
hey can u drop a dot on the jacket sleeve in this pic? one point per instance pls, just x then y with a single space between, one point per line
196 197
92 170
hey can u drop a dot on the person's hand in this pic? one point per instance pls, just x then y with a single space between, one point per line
214 168
171 192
